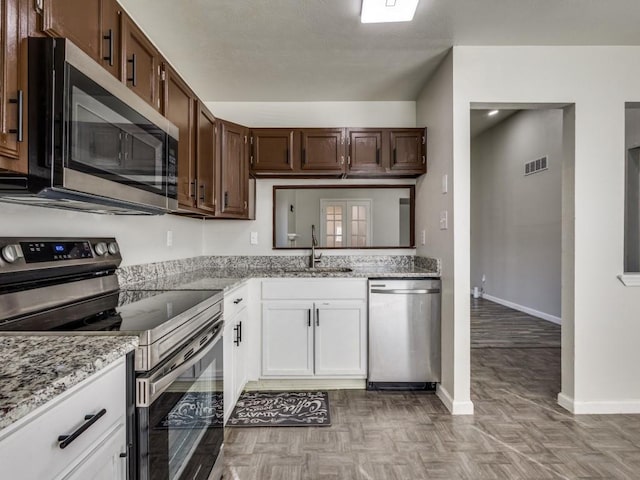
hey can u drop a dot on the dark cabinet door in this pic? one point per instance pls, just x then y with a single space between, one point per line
79 21
12 93
274 150
408 153
323 150
111 33
234 171
179 107
365 151
207 161
140 63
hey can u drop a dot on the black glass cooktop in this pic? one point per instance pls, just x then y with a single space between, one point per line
132 311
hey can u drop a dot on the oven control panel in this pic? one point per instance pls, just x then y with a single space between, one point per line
35 252
31 254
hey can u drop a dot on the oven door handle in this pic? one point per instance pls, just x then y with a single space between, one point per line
149 389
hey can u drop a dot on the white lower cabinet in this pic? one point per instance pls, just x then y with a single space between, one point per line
235 347
319 337
31 448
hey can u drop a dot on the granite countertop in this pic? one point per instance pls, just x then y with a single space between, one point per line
228 278
35 369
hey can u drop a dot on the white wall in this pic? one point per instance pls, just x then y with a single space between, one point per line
603 316
435 109
317 114
516 219
142 239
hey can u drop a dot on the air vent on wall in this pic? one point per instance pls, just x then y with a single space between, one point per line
535 166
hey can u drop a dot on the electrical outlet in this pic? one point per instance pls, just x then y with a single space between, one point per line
254 238
169 238
423 237
444 220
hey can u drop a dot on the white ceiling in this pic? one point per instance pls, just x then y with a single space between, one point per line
317 50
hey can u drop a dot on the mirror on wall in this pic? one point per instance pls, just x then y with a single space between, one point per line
353 216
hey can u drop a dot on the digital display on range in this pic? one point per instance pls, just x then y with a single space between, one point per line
35 252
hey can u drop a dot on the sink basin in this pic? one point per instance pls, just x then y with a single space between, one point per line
319 270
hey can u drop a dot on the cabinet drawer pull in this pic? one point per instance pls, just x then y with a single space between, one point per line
317 317
134 76
66 440
237 301
109 57
309 318
19 101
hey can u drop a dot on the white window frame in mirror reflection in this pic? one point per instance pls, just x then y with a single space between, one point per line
347 218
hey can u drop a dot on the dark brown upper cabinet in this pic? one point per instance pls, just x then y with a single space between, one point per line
275 150
179 107
234 170
207 164
140 63
111 33
408 151
323 151
12 88
366 151
77 21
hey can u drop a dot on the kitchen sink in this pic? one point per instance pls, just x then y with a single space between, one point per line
319 270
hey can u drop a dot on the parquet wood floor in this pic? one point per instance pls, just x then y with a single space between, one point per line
518 432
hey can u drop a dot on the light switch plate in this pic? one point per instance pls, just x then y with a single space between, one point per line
169 238
254 238
423 237
444 220
445 183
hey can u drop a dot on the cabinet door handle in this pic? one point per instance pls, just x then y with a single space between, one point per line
226 199
192 189
19 101
394 156
66 440
309 318
202 192
109 57
317 317
240 332
304 156
134 76
288 159
378 156
236 330
424 159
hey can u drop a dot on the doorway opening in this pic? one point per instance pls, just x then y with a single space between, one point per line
519 159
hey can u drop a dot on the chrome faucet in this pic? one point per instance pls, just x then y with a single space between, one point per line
314 260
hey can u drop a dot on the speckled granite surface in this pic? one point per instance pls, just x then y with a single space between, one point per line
35 369
228 271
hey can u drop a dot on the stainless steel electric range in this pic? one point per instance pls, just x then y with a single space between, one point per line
175 377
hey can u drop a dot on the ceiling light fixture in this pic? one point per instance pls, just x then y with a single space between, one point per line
383 11
493 112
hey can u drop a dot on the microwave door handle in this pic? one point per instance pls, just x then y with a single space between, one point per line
156 387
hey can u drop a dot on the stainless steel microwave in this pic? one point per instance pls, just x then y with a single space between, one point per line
93 144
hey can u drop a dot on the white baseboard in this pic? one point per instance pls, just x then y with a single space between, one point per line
307 384
522 308
454 406
608 407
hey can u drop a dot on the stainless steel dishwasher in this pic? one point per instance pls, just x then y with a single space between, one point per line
404 334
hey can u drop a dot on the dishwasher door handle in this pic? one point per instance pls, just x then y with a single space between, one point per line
407 291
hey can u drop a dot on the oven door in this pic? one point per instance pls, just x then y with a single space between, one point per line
180 412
